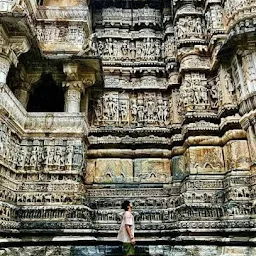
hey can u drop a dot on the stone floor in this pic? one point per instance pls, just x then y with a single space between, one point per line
105 250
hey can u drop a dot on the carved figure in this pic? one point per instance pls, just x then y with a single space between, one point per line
90 45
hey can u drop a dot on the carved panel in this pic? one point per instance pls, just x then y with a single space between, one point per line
194 93
152 170
109 170
204 160
236 155
123 109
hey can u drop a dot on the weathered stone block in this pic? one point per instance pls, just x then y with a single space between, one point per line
109 170
152 170
206 159
235 251
178 168
236 155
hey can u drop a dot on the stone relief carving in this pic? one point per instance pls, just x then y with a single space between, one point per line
122 109
62 34
121 17
190 28
194 93
231 6
40 154
145 82
214 19
47 171
213 87
249 71
148 49
170 48
227 90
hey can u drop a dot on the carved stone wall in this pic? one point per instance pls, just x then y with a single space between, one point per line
159 109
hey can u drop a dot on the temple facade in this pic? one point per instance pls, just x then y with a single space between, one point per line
106 100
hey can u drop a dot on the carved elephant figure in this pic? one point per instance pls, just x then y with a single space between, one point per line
232 208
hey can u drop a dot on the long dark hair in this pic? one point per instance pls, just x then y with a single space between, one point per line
125 205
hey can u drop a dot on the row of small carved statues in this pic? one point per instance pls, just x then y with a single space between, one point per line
146 49
184 212
39 156
164 202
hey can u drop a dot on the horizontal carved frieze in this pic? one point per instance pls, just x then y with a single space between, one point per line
124 109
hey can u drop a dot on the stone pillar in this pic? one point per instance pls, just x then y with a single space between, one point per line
10 49
73 96
76 82
22 82
4 69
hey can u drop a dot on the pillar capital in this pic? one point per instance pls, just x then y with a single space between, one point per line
77 80
11 47
74 85
71 71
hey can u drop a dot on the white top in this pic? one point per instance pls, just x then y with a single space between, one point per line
128 219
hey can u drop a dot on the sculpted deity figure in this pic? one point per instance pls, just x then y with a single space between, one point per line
27 157
160 111
69 155
198 26
33 158
21 157
138 50
229 84
134 110
214 93
140 111
110 48
115 49
157 49
125 49
101 48
78 157
150 108
90 46
110 104
166 112
180 29
50 156
203 95
132 51
249 71
98 110
57 156
123 110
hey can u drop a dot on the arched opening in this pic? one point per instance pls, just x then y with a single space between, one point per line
46 96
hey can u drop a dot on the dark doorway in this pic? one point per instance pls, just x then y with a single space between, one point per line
46 96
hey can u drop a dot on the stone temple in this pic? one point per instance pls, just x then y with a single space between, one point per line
151 101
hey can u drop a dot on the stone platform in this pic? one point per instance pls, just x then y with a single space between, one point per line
115 250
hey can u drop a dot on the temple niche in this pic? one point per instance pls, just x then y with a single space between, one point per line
151 101
46 96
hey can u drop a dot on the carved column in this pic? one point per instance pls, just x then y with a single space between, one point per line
23 85
73 96
10 49
76 82
4 68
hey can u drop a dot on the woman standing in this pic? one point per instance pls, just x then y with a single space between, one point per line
126 231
